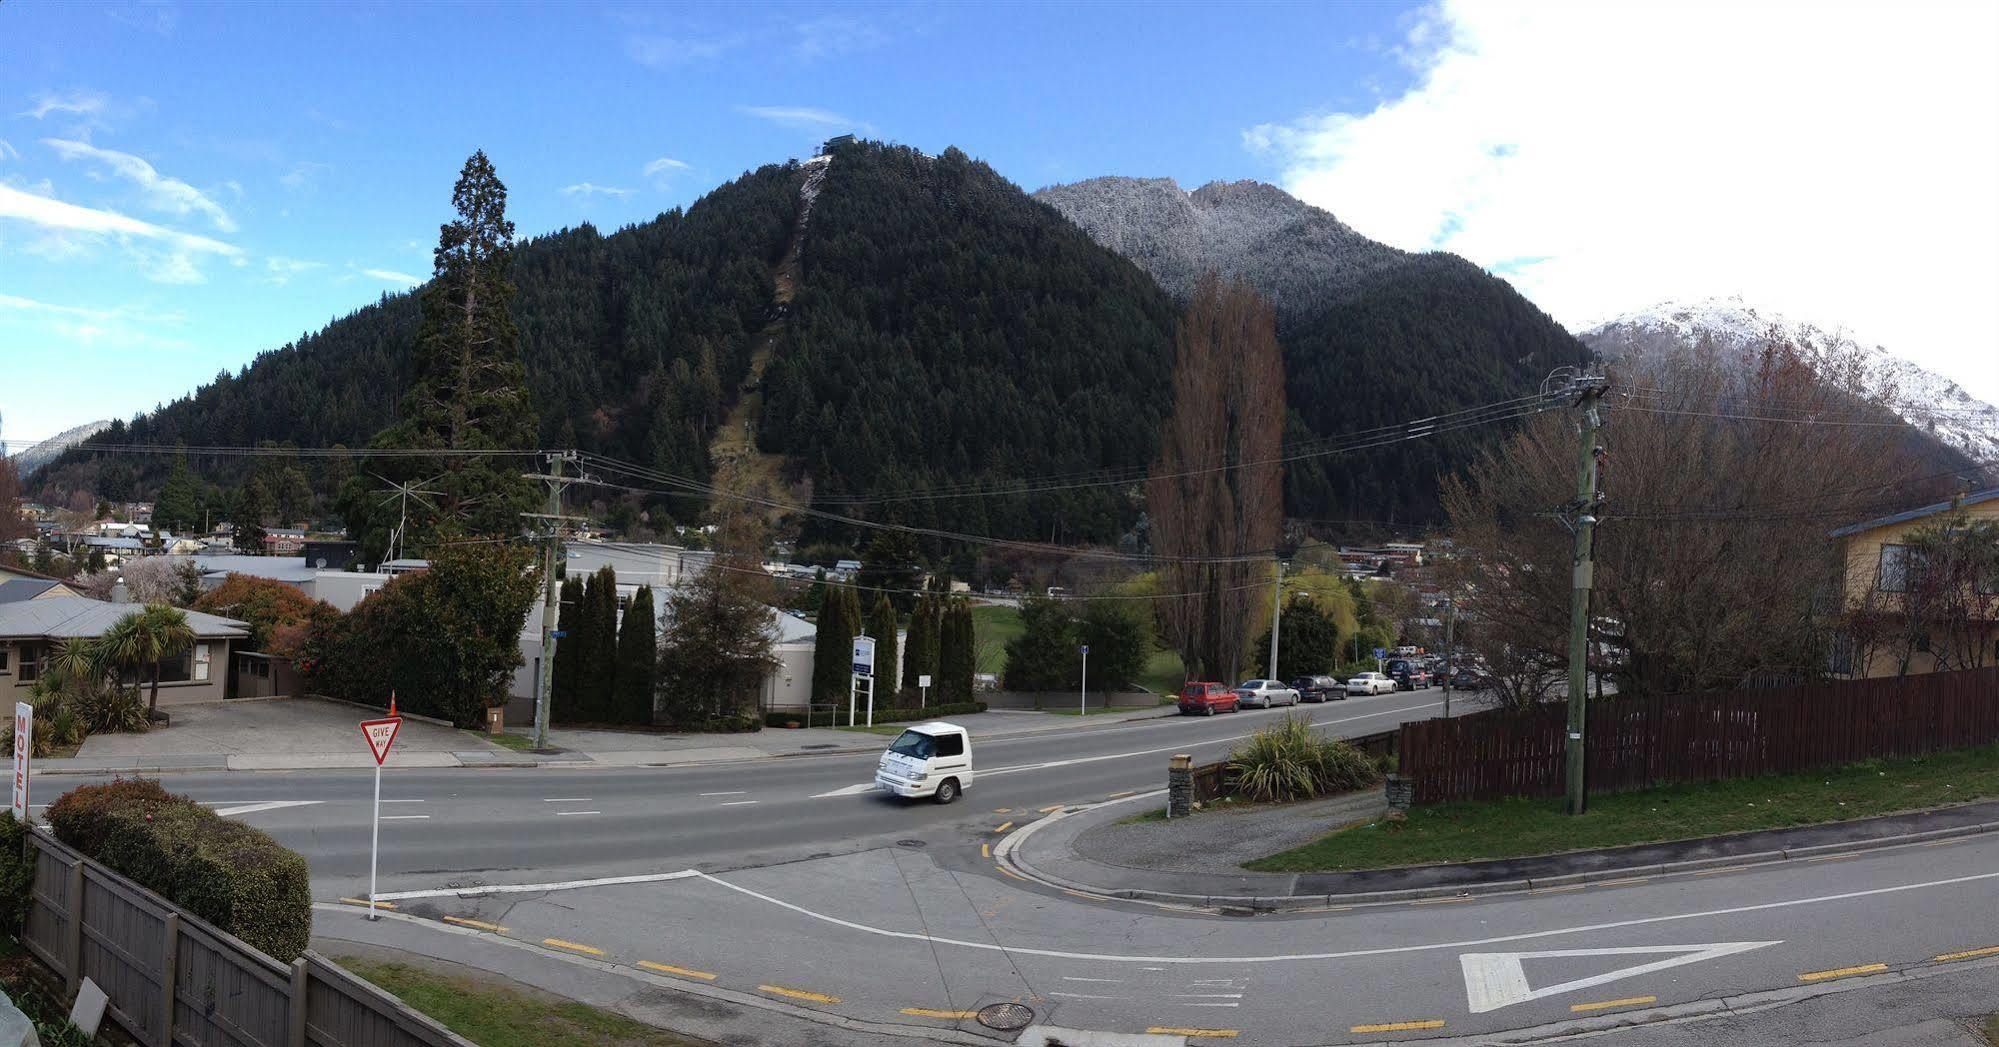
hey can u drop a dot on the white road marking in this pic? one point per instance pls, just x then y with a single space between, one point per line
1081 996
738 792
851 790
1523 936
1496 979
403 817
535 888
565 799
268 805
1113 981
402 801
735 803
1207 995
559 814
1209 1005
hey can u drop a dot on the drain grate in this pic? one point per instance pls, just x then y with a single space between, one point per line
822 745
912 844
1006 1017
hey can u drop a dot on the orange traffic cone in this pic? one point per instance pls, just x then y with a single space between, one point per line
392 705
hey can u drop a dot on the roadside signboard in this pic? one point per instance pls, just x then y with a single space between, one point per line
24 746
381 735
1380 653
864 656
923 680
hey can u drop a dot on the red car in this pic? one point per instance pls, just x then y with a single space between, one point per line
1206 699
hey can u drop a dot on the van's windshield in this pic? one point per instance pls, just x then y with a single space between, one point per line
914 744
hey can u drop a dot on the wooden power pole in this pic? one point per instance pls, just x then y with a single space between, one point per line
1591 389
556 529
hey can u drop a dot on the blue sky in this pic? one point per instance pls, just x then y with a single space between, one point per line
183 185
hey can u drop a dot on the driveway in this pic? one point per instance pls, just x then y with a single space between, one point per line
291 732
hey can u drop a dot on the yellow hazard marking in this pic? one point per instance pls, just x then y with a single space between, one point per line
1718 872
1558 890
1004 826
985 850
1055 807
573 946
1127 792
1009 872
1079 894
1199 1034
481 924
1439 901
1604 1005
1841 972
667 968
364 901
1965 955
1002 810
1620 883
798 994
1433 1023
925 1012
1832 857
1953 839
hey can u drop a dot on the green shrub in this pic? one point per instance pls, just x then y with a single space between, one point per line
1289 761
224 872
933 712
17 873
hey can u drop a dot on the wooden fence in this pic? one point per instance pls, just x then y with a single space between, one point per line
174 980
1212 781
1640 743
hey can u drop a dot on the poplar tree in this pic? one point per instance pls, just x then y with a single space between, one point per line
919 653
832 659
637 662
573 620
954 655
881 626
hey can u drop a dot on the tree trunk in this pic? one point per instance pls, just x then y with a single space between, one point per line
153 704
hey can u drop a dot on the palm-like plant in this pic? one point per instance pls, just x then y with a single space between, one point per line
145 639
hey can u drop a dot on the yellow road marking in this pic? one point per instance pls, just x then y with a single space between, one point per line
667 968
1953 839
1604 1005
1841 972
1325 908
364 901
574 946
1832 857
1004 826
481 924
1718 872
985 850
1558 890
1011 873
1620 883
1399 1026
1965 955
1127 792
1079 894
1439 901
798 994
1199 1034
1002 810
1055 807
925 1012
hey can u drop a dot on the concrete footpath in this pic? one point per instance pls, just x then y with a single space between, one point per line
314 734
1098 850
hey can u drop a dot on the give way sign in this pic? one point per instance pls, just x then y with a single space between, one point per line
381 734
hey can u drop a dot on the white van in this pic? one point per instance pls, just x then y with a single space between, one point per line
929 759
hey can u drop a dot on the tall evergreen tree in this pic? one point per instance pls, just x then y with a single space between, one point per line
573 621
638 654
919 653
882 626
832 659
954 655
178 507
254 506
599 670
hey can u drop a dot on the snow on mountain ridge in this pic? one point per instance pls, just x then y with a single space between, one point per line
1926 400
33 458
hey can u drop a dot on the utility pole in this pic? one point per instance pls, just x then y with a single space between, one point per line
554 520
1591 389
1450 647
1276 612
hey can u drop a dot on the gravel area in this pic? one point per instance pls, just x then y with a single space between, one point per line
1220 839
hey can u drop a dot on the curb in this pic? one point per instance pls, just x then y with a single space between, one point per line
998 737
1007 854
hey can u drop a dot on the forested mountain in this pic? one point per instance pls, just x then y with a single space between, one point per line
1372 336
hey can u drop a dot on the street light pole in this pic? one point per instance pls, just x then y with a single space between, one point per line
1276 613
1083 695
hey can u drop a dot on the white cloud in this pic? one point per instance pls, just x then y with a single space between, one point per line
665 52
161 192
391 276
798 118
58 216
665 165
593 189
1834 164
282 269
79 103
8 152
9 301
833 36
303 175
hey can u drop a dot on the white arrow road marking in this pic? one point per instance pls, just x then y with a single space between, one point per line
1496 979
268 805
851 790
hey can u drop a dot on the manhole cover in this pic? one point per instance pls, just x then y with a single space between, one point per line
822 745
911 843
1006 1017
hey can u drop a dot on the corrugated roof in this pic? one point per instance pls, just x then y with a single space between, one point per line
1973 498
16 589
65 617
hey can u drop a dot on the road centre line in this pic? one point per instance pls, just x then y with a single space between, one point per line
1842 972
535 888
559 814
735 803
1612 925
1965 955
404 817
402 801
565 799
732 792
1604 1005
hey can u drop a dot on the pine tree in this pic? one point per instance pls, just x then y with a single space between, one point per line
600 666
573 621
178 507
832 660
881 626
638 650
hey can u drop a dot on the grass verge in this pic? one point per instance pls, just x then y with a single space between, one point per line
1163 674
519 743
890 729
498 1017
1992 1030
1464 832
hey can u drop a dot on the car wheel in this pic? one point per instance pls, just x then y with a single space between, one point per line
947 791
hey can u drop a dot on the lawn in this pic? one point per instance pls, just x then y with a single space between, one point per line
993 626
890 729
1098 710
1992 1030
516 742
497 1017
1515 828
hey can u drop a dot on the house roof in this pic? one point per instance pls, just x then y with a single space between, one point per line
276 568
14 590
1973 498
67 617
22 572
791 628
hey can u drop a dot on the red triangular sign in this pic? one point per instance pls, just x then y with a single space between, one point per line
381 734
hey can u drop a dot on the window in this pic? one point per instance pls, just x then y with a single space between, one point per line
1894 576
178 669
950 745
31 662
3 659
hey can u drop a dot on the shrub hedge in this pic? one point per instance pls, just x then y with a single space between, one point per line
227 873
779 719
17 873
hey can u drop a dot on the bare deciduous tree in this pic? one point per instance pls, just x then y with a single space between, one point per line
1217 489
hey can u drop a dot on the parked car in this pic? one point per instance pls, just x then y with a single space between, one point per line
1318 688
1412 677
1371 683
1265 693
1468 680
1206 698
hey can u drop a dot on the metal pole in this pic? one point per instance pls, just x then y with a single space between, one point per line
549 606
375 841
871 701
1083 692
1450 651
1582 570
1276 612
853 681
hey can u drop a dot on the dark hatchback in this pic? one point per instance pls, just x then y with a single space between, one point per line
1318 689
